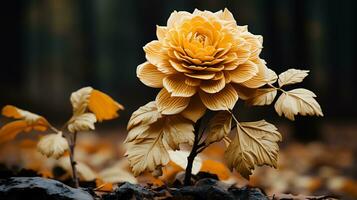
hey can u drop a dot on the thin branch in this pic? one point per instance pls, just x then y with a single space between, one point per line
193 154
72 144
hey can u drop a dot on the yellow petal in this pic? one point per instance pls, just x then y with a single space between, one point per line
223 100
155 54
195 110
176 18
175 84
11 111
201 75
103 106
213 86
170 105
244 72
161 32
10 130
260 79
150 75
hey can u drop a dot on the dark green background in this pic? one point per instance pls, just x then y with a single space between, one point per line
53 47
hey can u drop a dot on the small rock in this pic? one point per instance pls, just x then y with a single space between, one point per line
40 189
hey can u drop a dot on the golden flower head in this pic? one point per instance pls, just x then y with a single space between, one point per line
52 145
203 55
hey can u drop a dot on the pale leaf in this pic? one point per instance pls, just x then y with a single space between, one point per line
261 97
146 114
219 126
151 134
175 128
80 99
82 122
298 101
255 144
180 158
147 155
292 76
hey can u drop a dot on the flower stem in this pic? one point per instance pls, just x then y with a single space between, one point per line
72 145
193 154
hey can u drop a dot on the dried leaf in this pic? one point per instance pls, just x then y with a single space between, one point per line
147 154
146 114
82 122
80 99
292 76
255 144
53 145
261 97
219 126
177 130
298 101
99 103
26 122
180 158
149 138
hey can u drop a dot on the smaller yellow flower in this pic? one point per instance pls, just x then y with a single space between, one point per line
95 101
26 121
53 145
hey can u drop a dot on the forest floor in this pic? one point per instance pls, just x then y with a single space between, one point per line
315 170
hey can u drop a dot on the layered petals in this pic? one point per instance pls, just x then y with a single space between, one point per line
202 52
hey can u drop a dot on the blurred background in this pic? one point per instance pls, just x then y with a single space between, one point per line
52 48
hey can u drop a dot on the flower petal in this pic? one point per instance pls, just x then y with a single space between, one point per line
195 110
175 84
155 54
244 72
223 100
202 75
161 32
150 75
213 86
260 79
169 105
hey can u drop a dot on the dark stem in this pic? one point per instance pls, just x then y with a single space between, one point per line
72 145
193 154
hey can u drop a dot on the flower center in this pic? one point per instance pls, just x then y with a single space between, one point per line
198 39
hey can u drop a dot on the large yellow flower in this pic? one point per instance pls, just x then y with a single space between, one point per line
201 60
